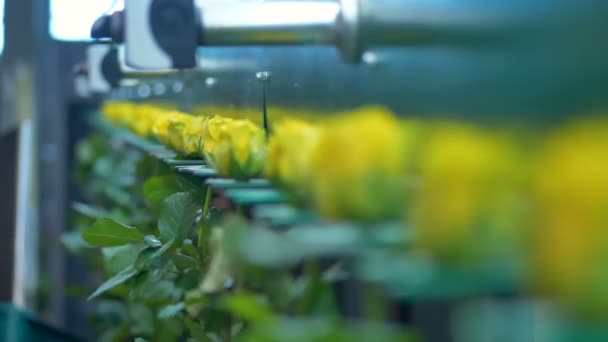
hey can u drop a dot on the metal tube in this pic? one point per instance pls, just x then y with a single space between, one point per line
430 22
356 25
269 23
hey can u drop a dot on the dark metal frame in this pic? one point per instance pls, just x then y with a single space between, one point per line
50 64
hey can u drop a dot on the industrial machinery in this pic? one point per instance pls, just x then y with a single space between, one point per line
472 58
424 144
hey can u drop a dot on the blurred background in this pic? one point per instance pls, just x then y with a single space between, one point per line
493 112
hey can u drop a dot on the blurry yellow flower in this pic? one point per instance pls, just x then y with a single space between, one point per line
144 117
289 156
118 113
193 136
168 128
231 112
243 136
236 147
160 129
470 203
216 126
177 127
571 196
359 165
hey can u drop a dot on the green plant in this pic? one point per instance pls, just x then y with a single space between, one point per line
178 268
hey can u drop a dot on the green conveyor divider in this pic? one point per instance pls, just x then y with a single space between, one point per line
164 156
205 172
184 162
282 214
254 196
228 183
161 152
190 170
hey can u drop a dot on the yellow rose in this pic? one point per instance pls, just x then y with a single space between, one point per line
470 200
216 126
167 128
144 119
358 166
237 149
177 127
193 136
571 201
289 153
118 113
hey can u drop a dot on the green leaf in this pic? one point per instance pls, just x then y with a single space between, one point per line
190 183
177 216
157 189
118 258
107 232
149 289
145 258
159 291
122 277
247 306
169 329
164 248
152 241
171 310
196 330
189 249
183 261
189 279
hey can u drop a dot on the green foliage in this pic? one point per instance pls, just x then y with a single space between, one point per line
183 261
106 232
152 241
249 307
116 280
171 310
177 215
156 189
192 272
323 330
118 258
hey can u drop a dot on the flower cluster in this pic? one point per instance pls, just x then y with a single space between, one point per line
469 194
235 147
